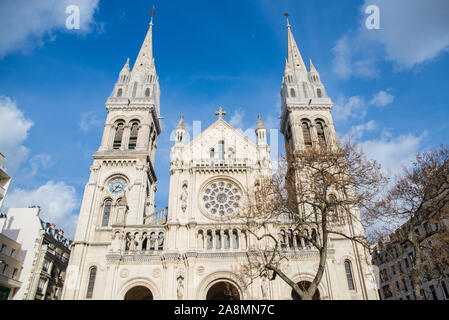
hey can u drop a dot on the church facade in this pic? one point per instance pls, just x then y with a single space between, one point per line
125 249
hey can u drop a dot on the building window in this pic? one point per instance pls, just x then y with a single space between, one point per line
2 247
319 93
118 136
235 239
106 213
221 149
5 267
133 137
226 240
292 93
212 153
40 286
230 153
218 240
306 134
283 240
348 270
46 265
119 92
91 284
147 92
14 273
320 133
13 252
209 240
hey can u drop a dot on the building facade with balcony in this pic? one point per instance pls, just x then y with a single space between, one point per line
394 260
44 251
126 249
11 262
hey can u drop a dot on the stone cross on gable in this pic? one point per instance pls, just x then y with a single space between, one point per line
220 113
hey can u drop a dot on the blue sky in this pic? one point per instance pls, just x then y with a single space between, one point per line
389 86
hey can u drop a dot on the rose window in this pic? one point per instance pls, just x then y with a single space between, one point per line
221 198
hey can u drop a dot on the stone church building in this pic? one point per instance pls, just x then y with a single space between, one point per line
124 249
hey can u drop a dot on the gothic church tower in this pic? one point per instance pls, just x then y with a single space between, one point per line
122 183
306 109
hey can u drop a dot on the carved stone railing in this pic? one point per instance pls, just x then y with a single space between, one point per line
139 240
159 218
219 163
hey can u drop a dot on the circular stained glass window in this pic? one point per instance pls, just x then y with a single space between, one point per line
221 198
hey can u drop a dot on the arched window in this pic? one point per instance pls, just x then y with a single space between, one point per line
292 93
147 92
91 283
333 212
320 133
212 153
319 93
290 238
106 213
348 269
134 89
235 239
306 134
230 153
209 240
226 239
160 246
217 240
144 242
283 240
221 149
119 92
133 137
118 136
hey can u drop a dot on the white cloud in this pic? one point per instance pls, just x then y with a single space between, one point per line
89 120
412 32
25 24
393 153
41 160
353 107
14 129
56 199
360 129
237 119
382 99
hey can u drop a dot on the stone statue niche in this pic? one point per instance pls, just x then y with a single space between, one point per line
184 196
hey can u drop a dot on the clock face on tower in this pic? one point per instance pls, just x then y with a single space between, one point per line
117 187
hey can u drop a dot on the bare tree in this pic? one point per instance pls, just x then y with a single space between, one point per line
315 193
418 202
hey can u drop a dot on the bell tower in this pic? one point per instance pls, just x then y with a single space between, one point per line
306 118
121 189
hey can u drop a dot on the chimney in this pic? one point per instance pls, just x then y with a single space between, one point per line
1 159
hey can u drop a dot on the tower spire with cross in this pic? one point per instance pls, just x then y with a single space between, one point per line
220 113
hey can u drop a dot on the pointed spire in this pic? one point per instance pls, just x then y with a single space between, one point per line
126 66
145 59
181 123
260 125
312 67
294 56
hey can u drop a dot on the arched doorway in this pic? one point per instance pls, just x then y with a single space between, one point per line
304 285
223 290
139 293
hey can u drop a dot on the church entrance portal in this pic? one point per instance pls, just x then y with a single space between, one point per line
139 293
223 290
